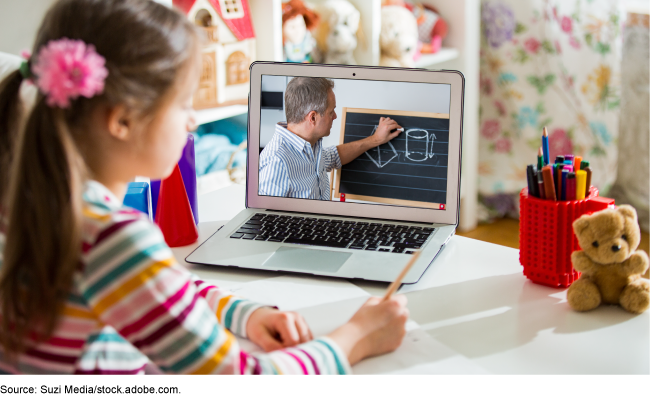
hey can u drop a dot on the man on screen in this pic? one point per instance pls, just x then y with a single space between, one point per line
294 163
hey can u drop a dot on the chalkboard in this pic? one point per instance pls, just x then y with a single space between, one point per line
409 170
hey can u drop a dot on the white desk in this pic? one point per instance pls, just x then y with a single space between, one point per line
475 300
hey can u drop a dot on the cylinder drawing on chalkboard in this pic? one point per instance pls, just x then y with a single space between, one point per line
419 145
382 154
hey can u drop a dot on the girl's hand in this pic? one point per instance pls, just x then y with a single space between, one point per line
376 328
273 329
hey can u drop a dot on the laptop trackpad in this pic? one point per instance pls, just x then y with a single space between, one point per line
292 258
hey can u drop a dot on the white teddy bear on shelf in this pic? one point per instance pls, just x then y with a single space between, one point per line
337 31
398 38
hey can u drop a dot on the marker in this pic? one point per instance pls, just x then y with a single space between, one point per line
540 160
585 166
571 186
529 179
569 157
549 186
565 188
576 163
581 183
532 181
558 174
547 154
540 185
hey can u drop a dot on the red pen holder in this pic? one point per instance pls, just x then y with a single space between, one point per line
546 238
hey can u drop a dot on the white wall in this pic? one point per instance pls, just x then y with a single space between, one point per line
397 96
19 21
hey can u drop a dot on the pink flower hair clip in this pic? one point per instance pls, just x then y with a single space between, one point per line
66 69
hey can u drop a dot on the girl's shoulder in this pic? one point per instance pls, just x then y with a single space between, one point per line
104 215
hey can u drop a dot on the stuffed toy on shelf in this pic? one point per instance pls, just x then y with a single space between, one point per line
337 32
431 28
297 23
398 37
611 266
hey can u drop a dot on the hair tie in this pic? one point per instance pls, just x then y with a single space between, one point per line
66 69
24 69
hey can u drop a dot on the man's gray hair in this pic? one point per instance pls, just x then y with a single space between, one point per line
306 94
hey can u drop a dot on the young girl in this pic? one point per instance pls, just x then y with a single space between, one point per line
88 286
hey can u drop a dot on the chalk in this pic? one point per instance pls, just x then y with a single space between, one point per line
400 129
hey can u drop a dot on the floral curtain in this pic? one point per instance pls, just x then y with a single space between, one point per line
546 63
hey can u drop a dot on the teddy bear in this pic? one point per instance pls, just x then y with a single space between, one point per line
611 266
337 32
398 37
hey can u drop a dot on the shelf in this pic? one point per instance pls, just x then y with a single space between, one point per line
213 114
428 60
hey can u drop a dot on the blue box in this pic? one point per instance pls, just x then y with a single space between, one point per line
138 197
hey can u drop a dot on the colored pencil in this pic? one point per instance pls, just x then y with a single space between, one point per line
581 183
398 281
540 159
547 154
549 185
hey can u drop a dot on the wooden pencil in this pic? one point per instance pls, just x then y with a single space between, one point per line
398 281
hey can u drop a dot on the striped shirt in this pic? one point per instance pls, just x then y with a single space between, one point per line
132 304
290 167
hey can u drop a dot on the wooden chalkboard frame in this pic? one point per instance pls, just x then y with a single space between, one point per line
399 202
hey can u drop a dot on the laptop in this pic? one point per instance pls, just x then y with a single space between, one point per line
384 205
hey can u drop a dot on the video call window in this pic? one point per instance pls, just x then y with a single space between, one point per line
407 170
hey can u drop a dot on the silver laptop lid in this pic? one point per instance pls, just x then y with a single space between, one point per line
414 177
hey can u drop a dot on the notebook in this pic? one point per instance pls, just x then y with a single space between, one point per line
340 190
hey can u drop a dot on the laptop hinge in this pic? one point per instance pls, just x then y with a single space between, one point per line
357 218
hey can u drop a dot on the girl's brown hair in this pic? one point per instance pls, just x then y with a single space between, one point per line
145 45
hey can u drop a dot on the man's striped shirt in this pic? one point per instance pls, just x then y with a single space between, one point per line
290 167
132 304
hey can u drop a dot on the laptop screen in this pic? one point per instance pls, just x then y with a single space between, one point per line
363 141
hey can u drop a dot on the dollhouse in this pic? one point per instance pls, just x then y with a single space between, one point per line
228 50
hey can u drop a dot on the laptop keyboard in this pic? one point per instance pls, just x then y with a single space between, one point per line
360 235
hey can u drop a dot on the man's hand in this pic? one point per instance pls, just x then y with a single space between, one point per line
383 133
273 329
350 151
